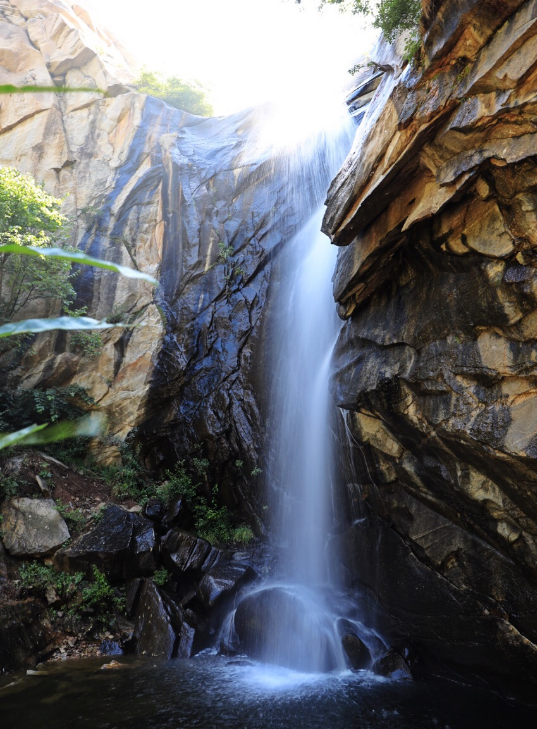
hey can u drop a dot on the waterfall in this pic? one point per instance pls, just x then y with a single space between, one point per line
289 619
302 458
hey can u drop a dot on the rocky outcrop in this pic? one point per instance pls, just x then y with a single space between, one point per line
122 546
32 527
434 369
25 633
189 200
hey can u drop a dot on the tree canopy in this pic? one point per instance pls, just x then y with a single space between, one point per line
185 95
29 216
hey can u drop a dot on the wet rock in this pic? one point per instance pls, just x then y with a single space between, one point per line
110 648
283 626
356 651
160 628
154 510
122 545
24 632
392 665
224 581
435 363
112 665
32 527
183 551
178 515
133 589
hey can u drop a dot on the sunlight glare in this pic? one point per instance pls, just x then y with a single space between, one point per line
245 52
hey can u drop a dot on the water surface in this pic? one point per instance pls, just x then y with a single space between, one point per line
209 692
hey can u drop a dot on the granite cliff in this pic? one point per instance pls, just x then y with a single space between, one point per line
190 200
435 367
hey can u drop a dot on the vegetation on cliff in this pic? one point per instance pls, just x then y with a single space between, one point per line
30 217
185 95
392 17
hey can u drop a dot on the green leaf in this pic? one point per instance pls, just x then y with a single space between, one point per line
77 257
36 326
19 435
90 425
9 89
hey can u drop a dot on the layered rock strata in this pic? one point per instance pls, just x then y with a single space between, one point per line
184 198
435 366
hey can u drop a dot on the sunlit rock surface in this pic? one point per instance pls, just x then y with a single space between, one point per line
149 186
435 366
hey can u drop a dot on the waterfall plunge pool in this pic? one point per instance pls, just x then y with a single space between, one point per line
210 692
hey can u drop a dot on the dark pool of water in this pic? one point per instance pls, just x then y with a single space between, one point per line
210 693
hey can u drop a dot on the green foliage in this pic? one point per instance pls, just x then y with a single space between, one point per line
8 487
242 535
256 471
90 425
161 577
90 343
38 326
37 578
189 96
392 17
20 408
100 593
29 217
77 257
75 519
10 89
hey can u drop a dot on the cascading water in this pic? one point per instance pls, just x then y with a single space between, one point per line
288 620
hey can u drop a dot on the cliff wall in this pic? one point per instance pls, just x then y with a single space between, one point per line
187 199
435 211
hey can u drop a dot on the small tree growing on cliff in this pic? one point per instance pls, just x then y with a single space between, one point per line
29 217
185 95
392 17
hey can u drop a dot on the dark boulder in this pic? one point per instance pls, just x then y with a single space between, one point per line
392 665
182 551
122 545
356 651
178 515
110 648
25 633
154 510
160 627
224 581
288 627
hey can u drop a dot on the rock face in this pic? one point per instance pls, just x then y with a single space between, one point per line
435 367
122 546
24 633
160 628
32 527
184 198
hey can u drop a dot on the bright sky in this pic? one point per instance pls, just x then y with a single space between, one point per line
245 51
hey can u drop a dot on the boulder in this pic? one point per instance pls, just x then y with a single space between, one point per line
392 665
32 527
224 581
110 648
122 545
356 651
178 515
160 628
154 510
182 551
24 632
288 627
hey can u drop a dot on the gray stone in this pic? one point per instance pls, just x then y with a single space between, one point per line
32 527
